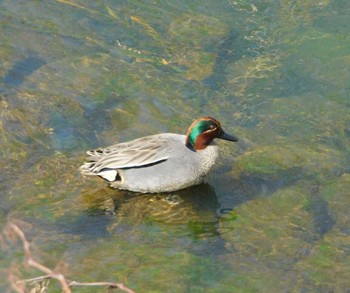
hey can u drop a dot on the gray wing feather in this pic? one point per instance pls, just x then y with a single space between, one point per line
136 153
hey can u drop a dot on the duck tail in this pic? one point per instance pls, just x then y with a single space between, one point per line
87 169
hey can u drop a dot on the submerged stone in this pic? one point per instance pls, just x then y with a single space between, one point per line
276 230
290 162
197 29
336 194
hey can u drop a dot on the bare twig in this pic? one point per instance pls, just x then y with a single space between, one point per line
106 284
50 274
33 280
32 263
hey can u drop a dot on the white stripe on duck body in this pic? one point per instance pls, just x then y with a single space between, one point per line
159 163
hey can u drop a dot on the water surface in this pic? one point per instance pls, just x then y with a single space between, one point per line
273 217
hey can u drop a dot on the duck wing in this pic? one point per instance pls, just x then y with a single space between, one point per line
140 152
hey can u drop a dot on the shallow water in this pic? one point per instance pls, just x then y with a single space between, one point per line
273 217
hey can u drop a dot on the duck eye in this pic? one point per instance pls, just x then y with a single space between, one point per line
212 127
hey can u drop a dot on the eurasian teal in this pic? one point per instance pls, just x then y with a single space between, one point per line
159 163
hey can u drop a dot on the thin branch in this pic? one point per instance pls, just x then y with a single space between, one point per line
108 284
50 274
34 280
32 263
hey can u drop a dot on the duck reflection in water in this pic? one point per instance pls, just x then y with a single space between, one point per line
195 210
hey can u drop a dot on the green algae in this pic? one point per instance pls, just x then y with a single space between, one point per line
327 266
335 193
197 30
201 30
290 162
116 71
278 227
312 119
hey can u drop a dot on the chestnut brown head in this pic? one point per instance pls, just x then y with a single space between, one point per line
203 131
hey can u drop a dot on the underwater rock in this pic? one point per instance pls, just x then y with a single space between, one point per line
197 29
274 162
327 266
277 229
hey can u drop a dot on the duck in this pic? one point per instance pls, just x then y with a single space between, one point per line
159 163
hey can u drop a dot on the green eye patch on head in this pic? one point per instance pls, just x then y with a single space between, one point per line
200 127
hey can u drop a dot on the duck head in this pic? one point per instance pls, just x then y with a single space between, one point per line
202 132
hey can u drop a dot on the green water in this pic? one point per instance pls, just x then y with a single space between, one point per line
273 217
